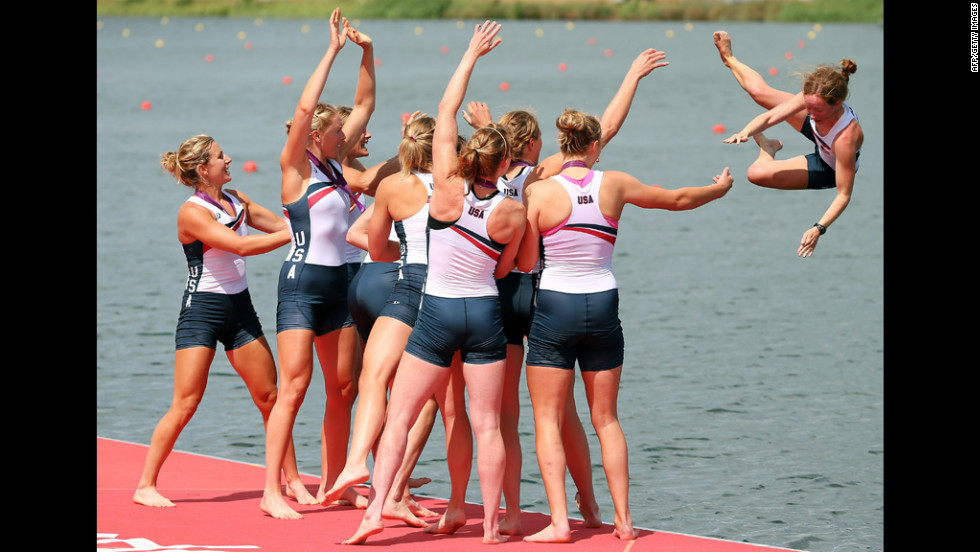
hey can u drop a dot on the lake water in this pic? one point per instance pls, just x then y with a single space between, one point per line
752 394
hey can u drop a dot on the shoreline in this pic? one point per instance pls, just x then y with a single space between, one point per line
785 11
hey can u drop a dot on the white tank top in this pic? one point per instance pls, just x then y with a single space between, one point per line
318 221
412 231
514 188
826 141
214 270
462 257
577 254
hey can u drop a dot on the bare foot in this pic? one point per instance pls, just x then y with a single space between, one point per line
275 506
448 523
511 526
590 515
768 146
148 496
298 491
354 498
418 509
416 482
366 529
344 481
724 44
626 532
492 537
401 512
551 534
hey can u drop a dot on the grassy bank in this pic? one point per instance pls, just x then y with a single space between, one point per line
863 11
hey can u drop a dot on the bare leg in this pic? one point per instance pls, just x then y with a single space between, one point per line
549 388
190 378
484 388
510 411
381 357
295 348
602 390
459 449
579 459
415 382
399 504
341 389
752 82
766 171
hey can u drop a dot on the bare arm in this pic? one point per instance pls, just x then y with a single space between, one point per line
447 195
380 247
366 181
768 119
364 96
615 114
258 216
630 190
845 147
506 225
292 160
529 252
195 222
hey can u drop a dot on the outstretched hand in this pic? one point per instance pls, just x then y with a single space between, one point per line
724 178
478 115
483 38
809 242
736 138
338 37
647 61
410 119
359 38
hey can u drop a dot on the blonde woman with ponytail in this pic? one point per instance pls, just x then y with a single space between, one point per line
474 232
212 226
819 113
402 202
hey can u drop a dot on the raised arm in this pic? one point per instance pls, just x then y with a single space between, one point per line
447 195
768 119
845 147
615 114
292 160
364 96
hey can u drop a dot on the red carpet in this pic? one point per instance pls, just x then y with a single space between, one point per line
217 509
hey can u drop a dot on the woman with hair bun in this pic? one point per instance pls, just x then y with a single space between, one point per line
474 233
212 227
819 113
572 222
402 203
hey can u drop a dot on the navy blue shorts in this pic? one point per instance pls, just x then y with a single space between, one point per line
368 292
316 300
470 325
517 304
820 175
352 269
576 326
208 318
406 296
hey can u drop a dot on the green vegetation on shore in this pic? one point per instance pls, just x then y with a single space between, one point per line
856 11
